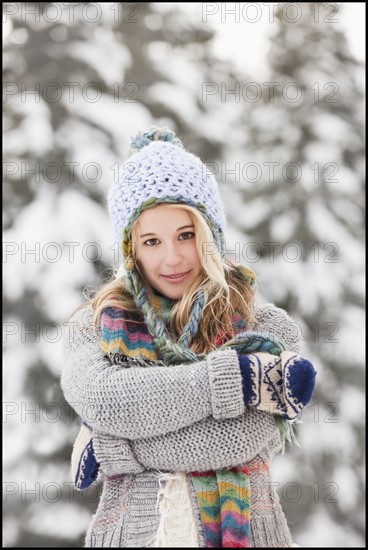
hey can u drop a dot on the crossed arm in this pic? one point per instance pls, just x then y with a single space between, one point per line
138 402
190 417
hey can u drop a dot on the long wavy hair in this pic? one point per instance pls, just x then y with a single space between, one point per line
229 292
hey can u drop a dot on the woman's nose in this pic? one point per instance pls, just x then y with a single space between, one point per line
173 256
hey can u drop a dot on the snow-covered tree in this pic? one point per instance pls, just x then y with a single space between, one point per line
299 217
79 80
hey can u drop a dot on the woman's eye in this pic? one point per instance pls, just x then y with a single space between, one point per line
149 241
183 236
187 235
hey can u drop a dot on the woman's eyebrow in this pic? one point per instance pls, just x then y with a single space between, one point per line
179 229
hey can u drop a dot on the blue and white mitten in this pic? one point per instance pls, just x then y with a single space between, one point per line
281 385
84 465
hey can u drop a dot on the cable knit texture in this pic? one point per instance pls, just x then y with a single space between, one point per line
146 421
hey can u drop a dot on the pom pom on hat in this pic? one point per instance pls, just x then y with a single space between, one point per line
154 134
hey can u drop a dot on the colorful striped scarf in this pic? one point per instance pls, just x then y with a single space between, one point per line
223 496
224 504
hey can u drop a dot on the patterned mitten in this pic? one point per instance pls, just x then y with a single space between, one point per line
84 465
280 385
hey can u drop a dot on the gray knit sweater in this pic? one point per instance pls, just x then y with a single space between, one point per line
185 418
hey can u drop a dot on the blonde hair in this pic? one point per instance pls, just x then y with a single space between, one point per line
228 291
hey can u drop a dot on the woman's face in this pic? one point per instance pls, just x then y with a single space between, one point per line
166 251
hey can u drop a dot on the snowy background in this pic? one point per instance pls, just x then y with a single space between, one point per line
284 133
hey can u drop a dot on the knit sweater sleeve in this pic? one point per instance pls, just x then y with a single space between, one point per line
206 445
277 322
209 444
138 402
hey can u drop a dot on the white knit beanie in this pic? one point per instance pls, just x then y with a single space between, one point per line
160 170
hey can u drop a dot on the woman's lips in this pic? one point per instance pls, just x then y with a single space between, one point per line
177 278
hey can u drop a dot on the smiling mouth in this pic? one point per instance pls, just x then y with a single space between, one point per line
177 277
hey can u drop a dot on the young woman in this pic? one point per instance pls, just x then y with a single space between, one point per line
178 376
